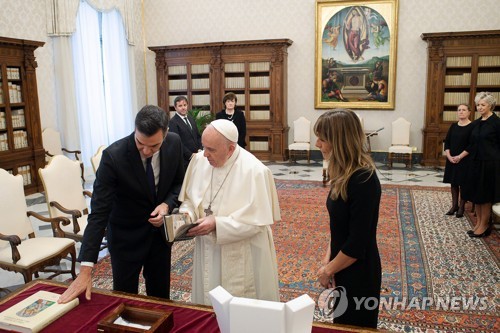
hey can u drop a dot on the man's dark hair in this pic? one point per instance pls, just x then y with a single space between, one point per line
180 98
150 119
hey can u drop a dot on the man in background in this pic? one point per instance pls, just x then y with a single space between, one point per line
138 181
185 126
233 198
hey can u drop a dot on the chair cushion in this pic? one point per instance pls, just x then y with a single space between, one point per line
400 149
33 250
299 146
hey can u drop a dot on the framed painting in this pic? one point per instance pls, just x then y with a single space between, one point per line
356 54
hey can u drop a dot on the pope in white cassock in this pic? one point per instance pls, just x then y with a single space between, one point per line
232 196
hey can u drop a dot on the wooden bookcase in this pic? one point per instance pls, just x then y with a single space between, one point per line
460 64
21 150
256 71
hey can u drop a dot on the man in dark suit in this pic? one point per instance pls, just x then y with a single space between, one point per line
138 181
184 125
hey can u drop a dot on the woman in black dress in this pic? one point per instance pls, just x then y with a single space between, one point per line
352 261
455 172
236 116
483 182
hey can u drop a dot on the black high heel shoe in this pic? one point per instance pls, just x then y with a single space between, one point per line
460 213
486 233
469 232
452 211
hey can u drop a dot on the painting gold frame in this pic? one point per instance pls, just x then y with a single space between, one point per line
355 64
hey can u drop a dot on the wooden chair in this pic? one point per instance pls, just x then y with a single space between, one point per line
52 144
400 149
20 250
301 145
326 177
495 213
96 159
65 195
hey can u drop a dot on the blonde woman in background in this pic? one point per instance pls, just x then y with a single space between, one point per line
483 181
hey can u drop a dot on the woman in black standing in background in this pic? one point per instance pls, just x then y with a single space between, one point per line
236 116
455 172
483 181
352 261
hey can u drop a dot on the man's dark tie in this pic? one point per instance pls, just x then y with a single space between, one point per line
150 176
187 122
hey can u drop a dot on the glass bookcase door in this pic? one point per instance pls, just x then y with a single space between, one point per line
457 85
191 81
260 88
488 77
4 144
250 82
200 86
13 130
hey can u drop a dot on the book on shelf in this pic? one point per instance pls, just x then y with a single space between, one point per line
35 312
200 69
177 70
176 226
238 67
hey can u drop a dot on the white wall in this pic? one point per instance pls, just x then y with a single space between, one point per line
195 21
26 19
168 22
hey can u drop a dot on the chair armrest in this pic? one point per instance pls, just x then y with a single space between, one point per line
87 193
76 152
72 212
14 241
75 214
54 221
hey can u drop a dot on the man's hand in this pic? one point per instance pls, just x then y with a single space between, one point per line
205 226
82 283
156 218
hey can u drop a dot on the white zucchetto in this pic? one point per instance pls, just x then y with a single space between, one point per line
226 128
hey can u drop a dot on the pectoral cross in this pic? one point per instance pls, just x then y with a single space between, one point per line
208 211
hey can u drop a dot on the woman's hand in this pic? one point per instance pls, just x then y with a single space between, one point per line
325 279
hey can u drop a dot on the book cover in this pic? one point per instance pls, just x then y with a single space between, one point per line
176 226
34 312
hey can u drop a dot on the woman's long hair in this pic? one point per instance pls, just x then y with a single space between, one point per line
342 129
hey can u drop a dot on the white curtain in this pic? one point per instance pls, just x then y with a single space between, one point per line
61 15
103 95
117 88
67 115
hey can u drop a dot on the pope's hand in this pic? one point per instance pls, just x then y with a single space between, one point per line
205 226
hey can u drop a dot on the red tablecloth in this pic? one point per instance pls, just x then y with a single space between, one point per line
84 318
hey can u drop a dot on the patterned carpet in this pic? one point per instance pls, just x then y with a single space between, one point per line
425 254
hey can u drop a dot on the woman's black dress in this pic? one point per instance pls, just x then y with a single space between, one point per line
457 140
353 229
238 118
483 181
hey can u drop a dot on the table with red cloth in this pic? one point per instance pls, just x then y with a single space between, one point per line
84 318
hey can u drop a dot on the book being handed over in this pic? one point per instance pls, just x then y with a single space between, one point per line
176 226
34 312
